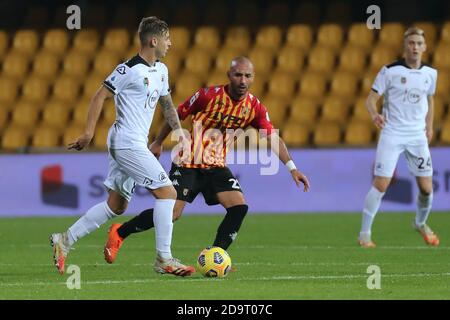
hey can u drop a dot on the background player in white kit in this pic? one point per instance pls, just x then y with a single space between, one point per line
408 87
136 85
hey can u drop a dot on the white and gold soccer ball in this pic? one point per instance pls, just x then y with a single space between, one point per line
214 262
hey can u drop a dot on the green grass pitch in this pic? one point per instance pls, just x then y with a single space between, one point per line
297 256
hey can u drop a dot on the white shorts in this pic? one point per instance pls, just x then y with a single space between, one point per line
416 152
131 167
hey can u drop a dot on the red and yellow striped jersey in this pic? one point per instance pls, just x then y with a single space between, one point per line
214 117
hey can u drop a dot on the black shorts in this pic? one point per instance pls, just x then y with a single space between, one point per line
189 182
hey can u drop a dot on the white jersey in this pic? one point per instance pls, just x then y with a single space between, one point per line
406 94
136 86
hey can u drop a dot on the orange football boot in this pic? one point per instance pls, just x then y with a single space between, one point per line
113 244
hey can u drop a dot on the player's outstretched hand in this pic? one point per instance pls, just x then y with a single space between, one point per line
81 142
379 121
156 149
300 177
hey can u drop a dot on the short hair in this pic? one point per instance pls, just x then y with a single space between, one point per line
151 26
413 30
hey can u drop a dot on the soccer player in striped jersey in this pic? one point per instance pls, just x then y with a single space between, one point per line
408 86
221 107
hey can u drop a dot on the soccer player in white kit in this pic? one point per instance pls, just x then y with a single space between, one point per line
406 126
136 86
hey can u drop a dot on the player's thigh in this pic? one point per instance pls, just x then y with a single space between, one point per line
119 185
419 158
388 151
226 188
142 166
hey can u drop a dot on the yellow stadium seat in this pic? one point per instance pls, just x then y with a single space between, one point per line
4 43
445 33
105 62
269 37
381 55
80 112
56 41
46 65
55 114
276 108
198 62
35 89
430 33
86 41
4 117
290 60
360 36
173 62
281 85
299 36
133 50
335 110
76 64
187 84
258 86
100 137
443 85
224 57
15 65
92 84
66 88
262 60
207 38
445 133
72 133
15 137
116 40
391 35
360 112
26 42
237 38
312 85
321 59
295 135
25 115
46 137
180 38
304 111
367 81
326 134
352 59
218 77
441 57
358 134
330 35
439 107
9 91
344 85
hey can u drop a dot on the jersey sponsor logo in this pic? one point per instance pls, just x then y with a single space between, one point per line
121 70
413 95
146 82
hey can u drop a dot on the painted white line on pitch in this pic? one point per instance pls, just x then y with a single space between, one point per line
276 278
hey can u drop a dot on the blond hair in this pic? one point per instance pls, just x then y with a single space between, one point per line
413 30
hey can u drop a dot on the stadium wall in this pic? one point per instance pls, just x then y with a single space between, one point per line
68 184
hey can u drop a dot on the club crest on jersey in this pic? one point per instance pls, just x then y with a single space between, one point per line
121 70
185 191
244 112
403 80
146 82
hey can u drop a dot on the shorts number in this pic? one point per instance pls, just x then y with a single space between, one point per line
422 161
236 184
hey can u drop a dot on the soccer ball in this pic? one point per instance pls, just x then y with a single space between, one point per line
214 262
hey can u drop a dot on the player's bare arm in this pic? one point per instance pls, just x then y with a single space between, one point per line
279 147
95 108
170 112
371 105
429 119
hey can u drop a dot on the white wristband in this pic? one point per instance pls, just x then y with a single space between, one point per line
291 165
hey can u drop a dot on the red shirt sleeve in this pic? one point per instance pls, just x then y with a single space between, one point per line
193 105
261 120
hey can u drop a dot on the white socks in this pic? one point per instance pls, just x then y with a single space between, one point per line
92 220
371 206
423 208
162 218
